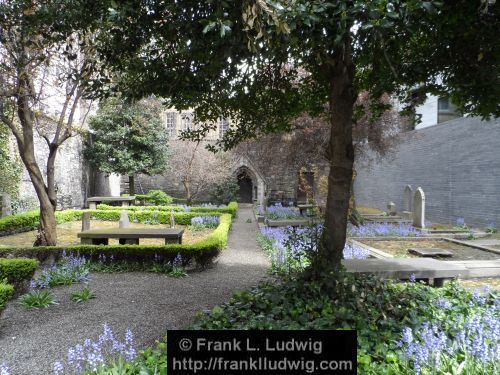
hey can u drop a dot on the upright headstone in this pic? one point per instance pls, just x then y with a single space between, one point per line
85 221
5 205
391 207
124 220
407 198
419 208
172 219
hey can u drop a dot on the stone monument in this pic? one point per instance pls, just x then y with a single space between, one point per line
5 205
391 207
419 208
85 221
124 220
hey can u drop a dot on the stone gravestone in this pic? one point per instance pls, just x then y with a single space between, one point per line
124 220
407 197
5 205
419 208
407 203
391 207
172 219
85 221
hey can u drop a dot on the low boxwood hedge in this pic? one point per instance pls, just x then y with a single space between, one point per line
17 270
30 220
231 208
201 252
6 293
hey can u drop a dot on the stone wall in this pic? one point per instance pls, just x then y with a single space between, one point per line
71 174
457 164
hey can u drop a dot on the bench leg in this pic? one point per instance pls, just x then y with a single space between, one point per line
439 282
128 241
100 241
93 205
125 204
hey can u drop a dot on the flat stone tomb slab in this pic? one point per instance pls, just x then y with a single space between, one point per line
430 252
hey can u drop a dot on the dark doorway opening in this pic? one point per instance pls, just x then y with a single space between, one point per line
246 187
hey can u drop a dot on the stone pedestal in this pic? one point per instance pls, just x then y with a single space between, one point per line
93 205
172 219
124 220
391 207
5 205
85 221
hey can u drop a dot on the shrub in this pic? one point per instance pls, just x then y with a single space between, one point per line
6 293
17 270
225 191
37 298
158 198
201 252
379 311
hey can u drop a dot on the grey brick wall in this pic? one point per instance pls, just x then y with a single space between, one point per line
457 164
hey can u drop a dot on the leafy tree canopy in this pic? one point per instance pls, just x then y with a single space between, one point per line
128 138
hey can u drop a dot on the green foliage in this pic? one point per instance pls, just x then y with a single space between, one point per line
202 252
150 361
225 191
6 293
377 309
231 208
128 138
27 221
82 295
157 198
17 270
37 298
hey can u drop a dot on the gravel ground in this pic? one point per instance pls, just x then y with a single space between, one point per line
149 304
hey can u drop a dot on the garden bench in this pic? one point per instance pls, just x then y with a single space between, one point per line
129 236
404 268
125 201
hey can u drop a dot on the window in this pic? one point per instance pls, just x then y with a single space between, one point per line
187 121
223 126
172 124
443 104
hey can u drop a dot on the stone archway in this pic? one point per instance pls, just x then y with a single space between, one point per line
245 182
252 185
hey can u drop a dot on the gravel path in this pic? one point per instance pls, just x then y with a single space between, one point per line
148 304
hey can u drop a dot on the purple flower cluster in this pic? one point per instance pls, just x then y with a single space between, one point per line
278 211
298 244
428 350
71 268
383 229
352 251
461 222
479 340
177 262
205 221
91 355
4 369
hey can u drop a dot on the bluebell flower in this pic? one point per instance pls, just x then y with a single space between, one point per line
58 368
4 369
413 278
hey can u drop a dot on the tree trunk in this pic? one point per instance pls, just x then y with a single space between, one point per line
131 185
341 158
189 198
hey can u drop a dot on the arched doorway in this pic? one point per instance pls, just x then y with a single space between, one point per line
245 193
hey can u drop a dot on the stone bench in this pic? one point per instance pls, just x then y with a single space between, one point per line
125 201
404 268
129 236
